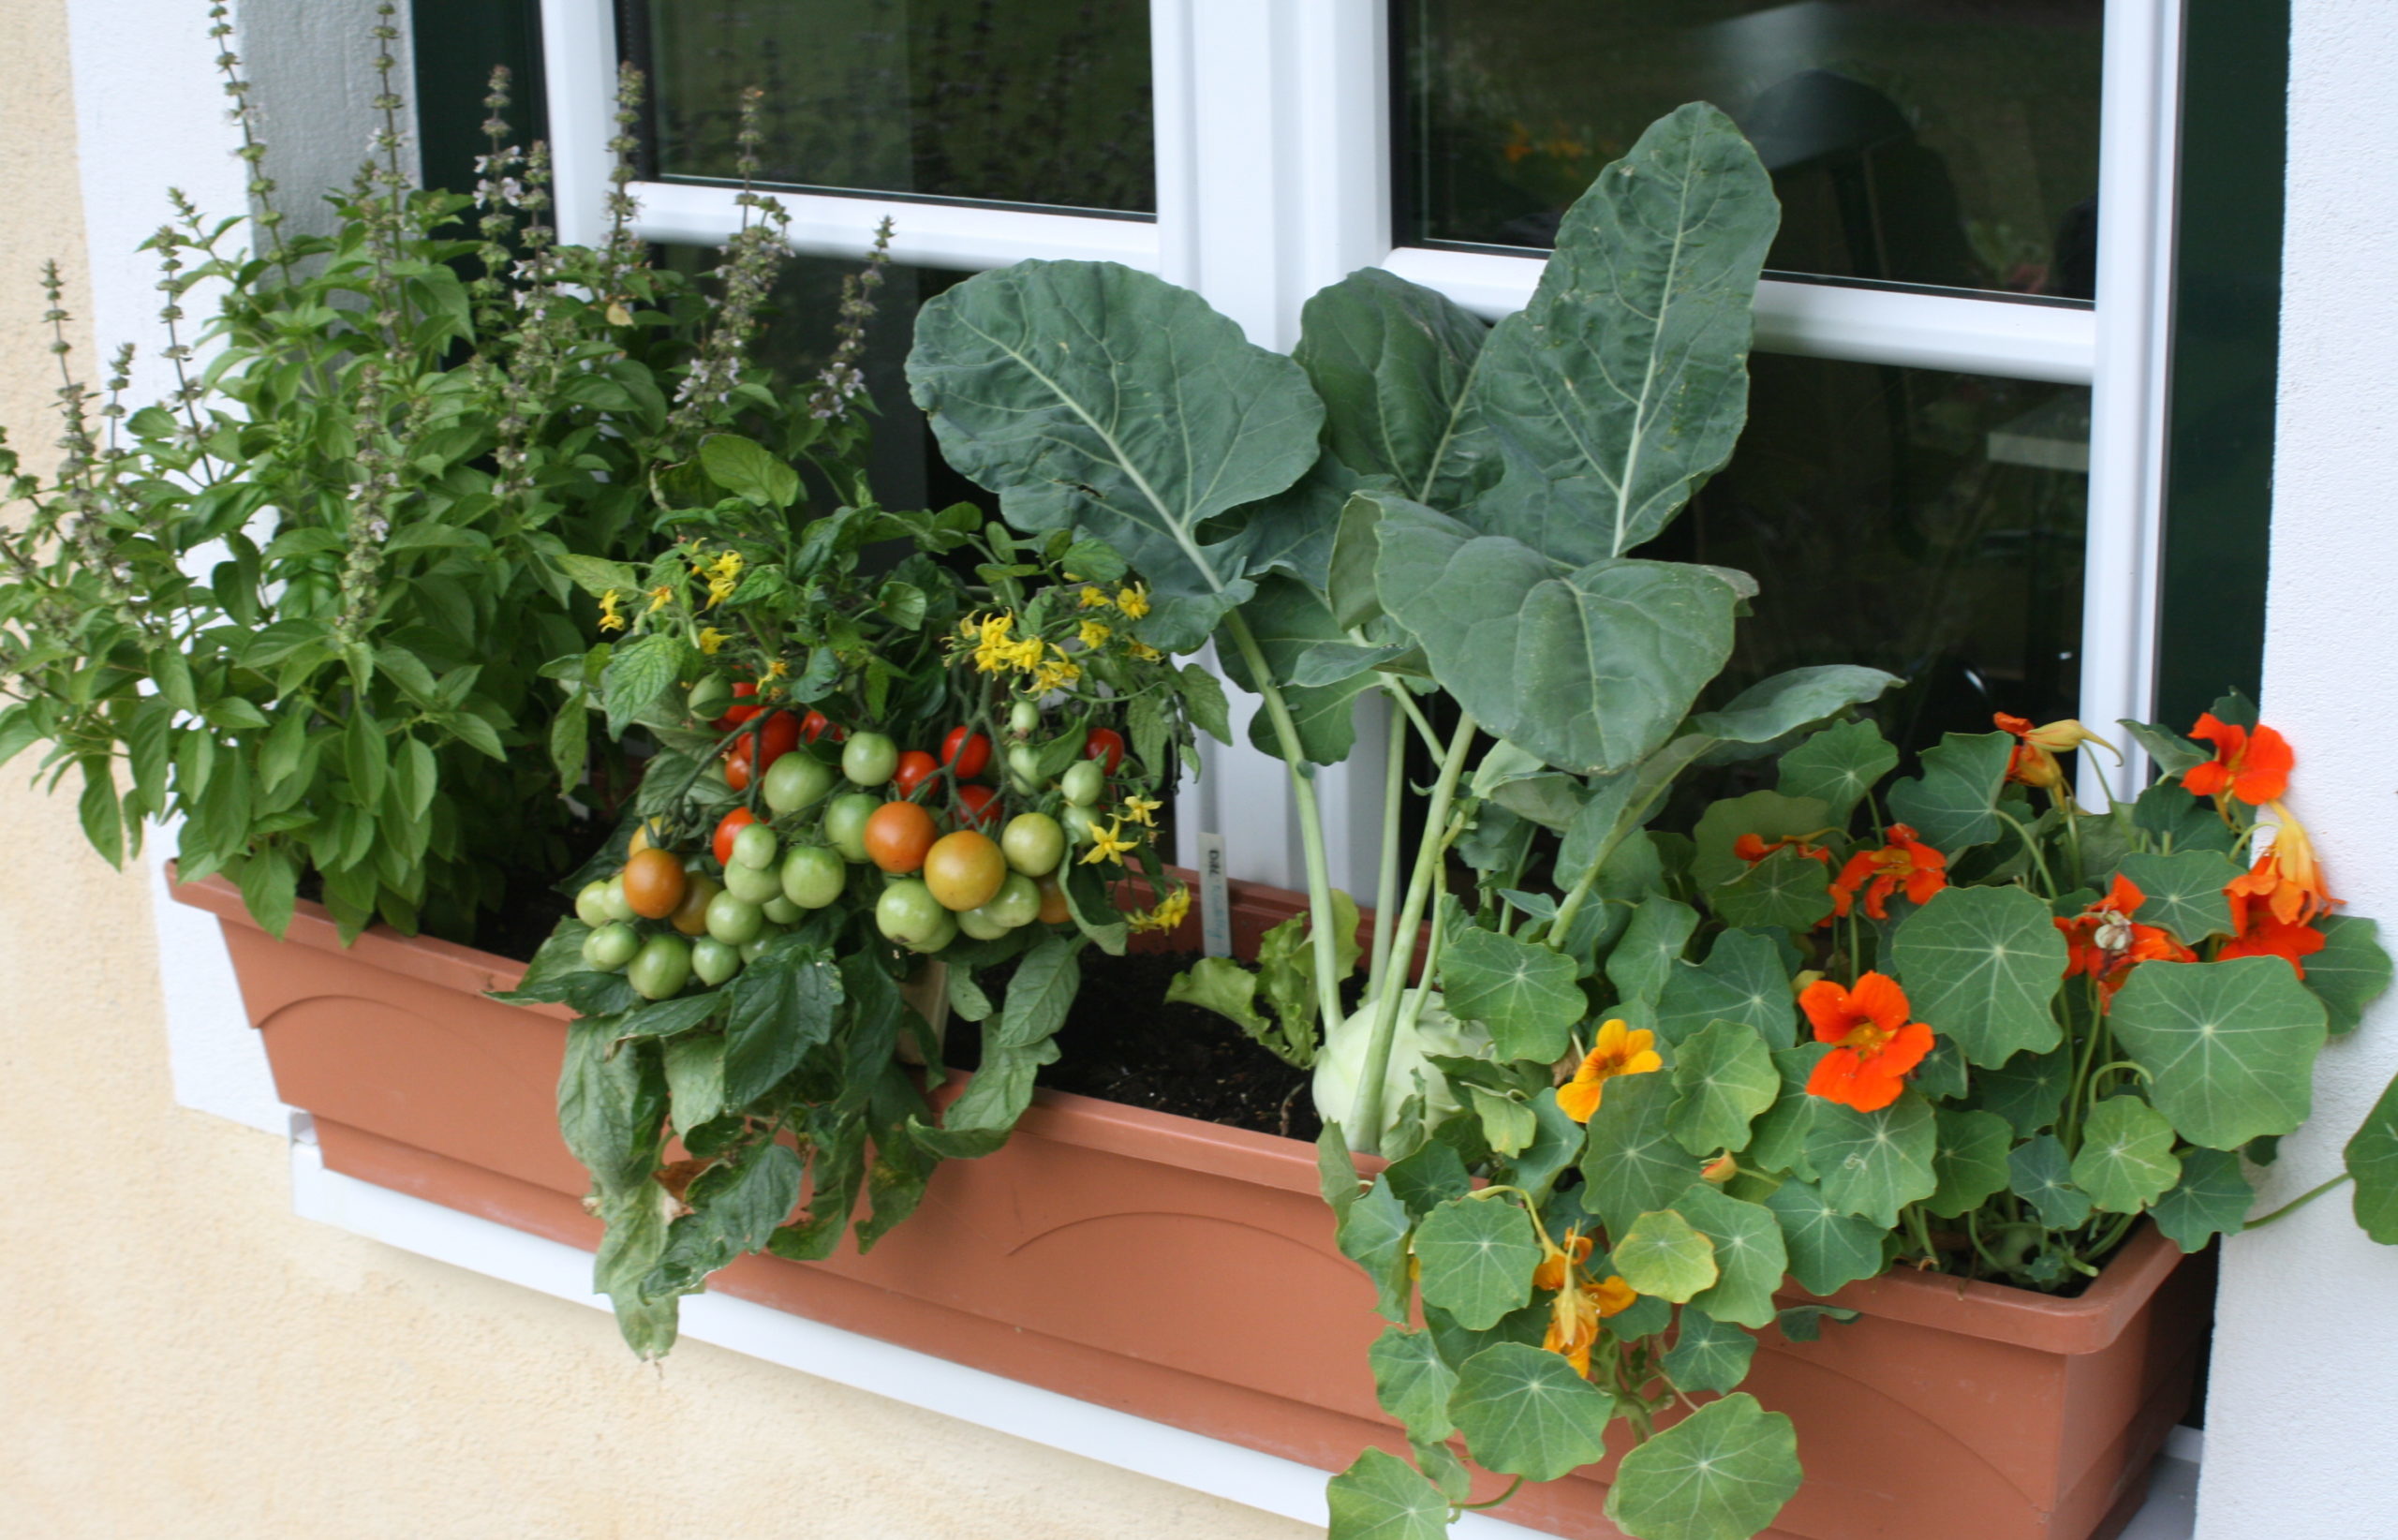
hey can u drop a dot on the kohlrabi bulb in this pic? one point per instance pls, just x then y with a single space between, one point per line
1341 1068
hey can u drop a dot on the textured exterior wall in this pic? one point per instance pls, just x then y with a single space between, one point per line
188 1359
2303 1409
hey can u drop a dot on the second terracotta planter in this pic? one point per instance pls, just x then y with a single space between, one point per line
1186 1272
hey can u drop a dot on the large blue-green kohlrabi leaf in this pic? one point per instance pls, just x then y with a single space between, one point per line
1598 411
1590 667
1296 633
1391 361
1096 398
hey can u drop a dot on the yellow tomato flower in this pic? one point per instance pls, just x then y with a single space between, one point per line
711 639
1107 844
1133 601
1091 599
659 597
1169 914
723 576
778 669
1142 651
1093 635
609 619
1056 674
1142 811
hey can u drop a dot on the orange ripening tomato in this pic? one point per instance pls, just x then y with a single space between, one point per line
654 883
1106 746
965 869
983 807
914 765
897 834
966 752
1054 911
732 825
738 771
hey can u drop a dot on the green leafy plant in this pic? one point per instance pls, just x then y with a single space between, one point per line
1605 1025
763 961
299 605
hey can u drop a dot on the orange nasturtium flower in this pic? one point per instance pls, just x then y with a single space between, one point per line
1905 863
1581 1303
2253 766
2286 877
2034 761
1616 1051
2104 942
1875 1045
2257 933
1754 848
1556 1262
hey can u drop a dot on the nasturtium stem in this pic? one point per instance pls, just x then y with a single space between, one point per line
1369 1123
2297 1203
1321 918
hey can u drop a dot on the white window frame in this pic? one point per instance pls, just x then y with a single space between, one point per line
1273 133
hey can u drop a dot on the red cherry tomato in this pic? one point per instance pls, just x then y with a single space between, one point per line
734 822
982 806
738 770
735 716
914 765
812 726
966 753
1106 746
776 737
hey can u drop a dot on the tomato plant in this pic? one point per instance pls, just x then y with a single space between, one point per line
914 765
983 807
654 883
1106 746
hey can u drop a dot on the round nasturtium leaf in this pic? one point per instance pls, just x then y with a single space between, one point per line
1412 1383
1664 1254
2126 1161
1750 1259
1828 1248
1524 1412
1475 1259
1381 1497
2229 1047
1982 965
1709 1356
1874 1163
1721 1473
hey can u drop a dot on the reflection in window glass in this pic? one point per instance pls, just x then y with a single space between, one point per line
1941 142
1016 101
1926 524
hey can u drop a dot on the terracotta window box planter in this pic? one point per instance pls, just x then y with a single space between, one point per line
1186 1272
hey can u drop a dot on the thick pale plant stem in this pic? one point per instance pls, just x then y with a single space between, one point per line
1386 881
1369 1111
1321 919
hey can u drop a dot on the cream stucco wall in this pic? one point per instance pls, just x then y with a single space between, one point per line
186 1359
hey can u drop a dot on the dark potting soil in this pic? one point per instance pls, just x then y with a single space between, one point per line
1123 1043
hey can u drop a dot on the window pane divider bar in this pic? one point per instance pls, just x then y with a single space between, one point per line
923 234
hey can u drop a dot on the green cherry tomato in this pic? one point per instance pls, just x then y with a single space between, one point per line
813 876
780 910
752 884
714 961
1023 718
797 780
910 914
1083 782
611 947
1024 767
845 823
755 846
1034 844
591 904
661 967
612 902
734 919
709 698
1016 903
750 948
978 924
869 758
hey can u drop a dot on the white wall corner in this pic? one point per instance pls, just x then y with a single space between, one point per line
2303 1404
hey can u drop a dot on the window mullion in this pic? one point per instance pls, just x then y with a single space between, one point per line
579 70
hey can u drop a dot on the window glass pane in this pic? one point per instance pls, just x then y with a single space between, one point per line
1018 101
1926 524
1941 142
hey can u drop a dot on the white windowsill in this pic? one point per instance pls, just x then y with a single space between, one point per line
987 1401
